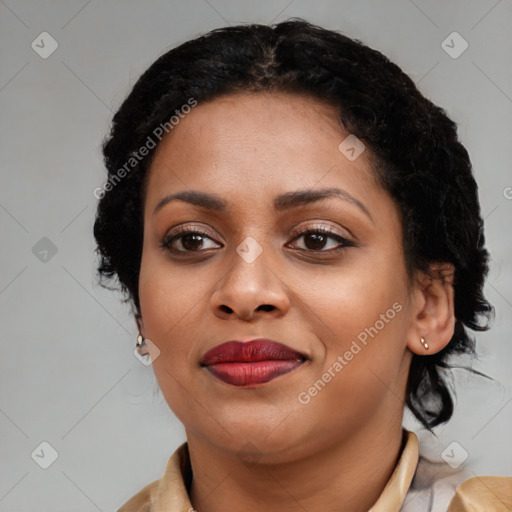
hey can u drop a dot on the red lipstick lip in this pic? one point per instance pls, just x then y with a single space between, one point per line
250 351
247 364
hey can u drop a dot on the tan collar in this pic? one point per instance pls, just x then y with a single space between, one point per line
394 493
170 492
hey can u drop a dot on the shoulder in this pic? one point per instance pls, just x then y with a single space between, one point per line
436 487
492 493
140 502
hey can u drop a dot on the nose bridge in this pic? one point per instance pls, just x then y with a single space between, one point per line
250 281
249 265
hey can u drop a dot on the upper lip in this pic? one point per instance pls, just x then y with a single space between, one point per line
260 349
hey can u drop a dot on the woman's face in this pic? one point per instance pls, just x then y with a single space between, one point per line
341 298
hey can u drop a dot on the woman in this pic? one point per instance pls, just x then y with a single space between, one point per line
298 231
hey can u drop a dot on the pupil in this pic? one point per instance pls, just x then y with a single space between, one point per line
196 244
317 239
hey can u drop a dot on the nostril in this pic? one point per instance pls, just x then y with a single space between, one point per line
266 307
226 309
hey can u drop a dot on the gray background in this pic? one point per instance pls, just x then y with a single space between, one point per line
68 375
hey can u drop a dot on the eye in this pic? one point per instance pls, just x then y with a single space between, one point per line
193 240
323 240
186 240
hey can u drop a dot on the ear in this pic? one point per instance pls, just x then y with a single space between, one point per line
433 310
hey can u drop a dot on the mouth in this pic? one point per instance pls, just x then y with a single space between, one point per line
251 363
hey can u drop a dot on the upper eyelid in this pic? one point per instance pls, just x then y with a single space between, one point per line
179 230
295 234
322 227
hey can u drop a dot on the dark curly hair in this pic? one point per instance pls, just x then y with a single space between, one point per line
416 156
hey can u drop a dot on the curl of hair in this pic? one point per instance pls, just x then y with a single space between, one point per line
417 158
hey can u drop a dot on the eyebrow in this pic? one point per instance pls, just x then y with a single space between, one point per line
281 202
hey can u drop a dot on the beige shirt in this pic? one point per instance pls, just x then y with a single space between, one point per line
478 494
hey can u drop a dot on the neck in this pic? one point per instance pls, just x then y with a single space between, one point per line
354 471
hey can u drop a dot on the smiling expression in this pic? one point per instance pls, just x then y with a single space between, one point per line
326 262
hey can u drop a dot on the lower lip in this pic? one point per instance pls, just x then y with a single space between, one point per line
250 374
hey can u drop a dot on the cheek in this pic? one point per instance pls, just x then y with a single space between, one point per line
361 370
359 297
362 315
166 293
169 307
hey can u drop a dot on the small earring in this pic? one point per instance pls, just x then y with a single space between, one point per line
424 343
140 341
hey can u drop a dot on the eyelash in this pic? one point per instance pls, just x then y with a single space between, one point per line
344 243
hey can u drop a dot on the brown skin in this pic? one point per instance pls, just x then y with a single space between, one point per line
340 448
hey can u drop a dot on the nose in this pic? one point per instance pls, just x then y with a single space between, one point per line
249 290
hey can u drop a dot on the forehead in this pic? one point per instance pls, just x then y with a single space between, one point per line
258 145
